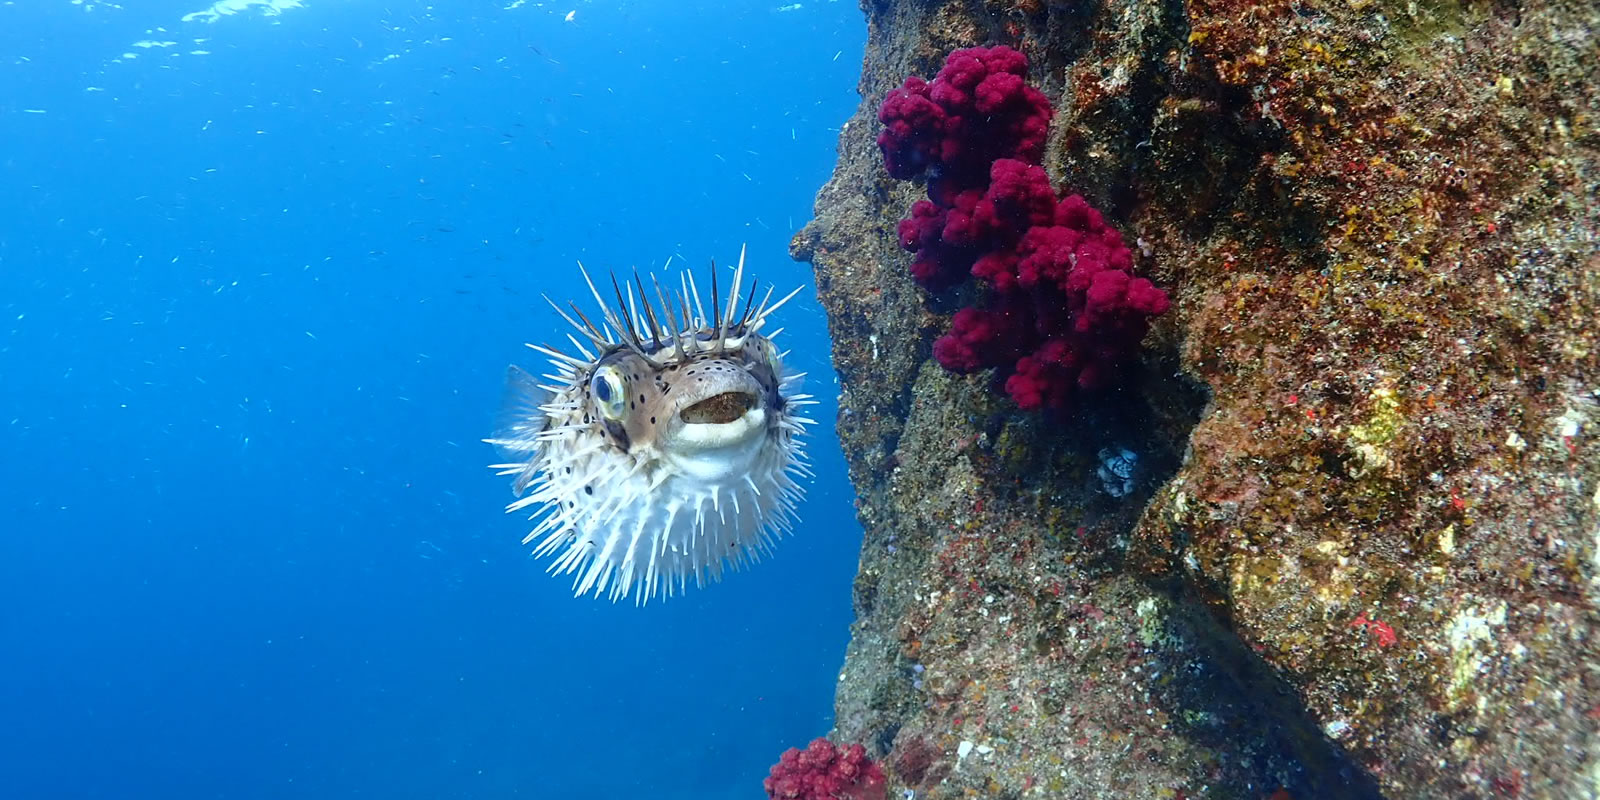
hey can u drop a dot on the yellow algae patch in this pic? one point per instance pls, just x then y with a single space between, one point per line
1472 635
1370 440
1337 588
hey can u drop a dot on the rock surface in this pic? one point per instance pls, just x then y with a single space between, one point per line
1362 555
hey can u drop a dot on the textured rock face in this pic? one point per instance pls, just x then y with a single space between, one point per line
1362 555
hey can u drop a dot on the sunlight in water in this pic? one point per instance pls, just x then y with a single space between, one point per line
227 8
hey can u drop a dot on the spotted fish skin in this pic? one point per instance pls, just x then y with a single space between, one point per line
666 450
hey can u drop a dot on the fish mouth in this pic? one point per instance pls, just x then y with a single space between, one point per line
719 409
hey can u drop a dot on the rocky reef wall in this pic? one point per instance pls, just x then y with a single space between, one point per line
1362 553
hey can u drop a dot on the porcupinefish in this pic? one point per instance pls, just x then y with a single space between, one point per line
667 449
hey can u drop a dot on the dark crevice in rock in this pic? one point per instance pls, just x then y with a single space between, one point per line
1225 696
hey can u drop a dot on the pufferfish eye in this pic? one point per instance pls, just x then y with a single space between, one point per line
609 391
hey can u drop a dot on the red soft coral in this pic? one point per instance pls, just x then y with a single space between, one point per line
824 772
1019 197
977 109
913 129
1046 378
1062 311
978 339
952 239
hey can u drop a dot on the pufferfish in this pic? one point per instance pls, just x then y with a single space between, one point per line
667 449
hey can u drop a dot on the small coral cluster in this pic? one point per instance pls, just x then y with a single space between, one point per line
1063 311
825 772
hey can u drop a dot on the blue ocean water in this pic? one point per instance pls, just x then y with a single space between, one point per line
262 266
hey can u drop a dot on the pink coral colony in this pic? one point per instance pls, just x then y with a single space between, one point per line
1062 311
825 772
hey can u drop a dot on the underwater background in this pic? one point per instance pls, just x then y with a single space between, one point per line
262 267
